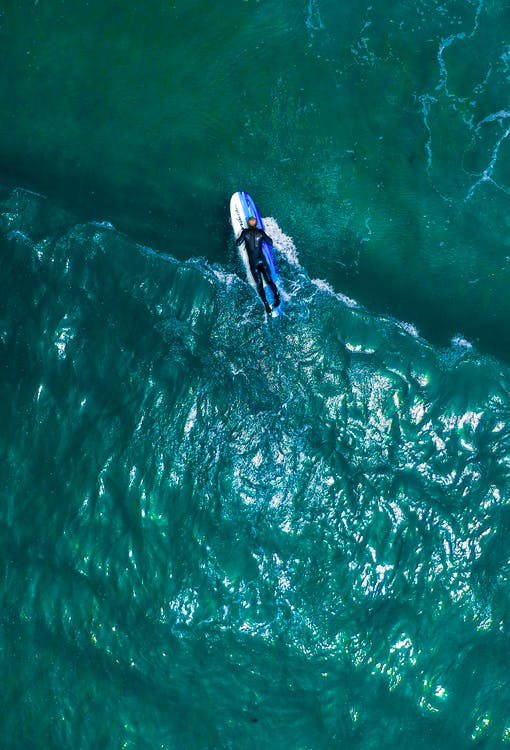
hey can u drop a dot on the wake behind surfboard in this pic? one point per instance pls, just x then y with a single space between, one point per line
242 206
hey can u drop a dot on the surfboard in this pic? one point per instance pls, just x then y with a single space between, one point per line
242 206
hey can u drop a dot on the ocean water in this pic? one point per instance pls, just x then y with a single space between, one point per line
221 531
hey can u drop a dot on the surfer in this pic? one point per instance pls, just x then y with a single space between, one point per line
253 237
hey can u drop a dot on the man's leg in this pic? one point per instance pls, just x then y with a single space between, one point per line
272 285
260 288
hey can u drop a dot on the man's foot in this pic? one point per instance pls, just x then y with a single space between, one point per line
268 308
276 303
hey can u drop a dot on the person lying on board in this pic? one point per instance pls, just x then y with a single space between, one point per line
253 236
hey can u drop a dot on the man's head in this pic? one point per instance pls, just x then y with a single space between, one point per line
252 221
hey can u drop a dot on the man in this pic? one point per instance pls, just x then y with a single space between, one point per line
253 237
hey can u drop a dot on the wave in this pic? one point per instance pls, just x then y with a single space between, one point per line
328 481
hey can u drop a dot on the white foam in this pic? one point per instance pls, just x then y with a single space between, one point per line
325 287
460 342
224 276
409 328
283 243
103 225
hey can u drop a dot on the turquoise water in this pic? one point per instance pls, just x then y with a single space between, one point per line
222 531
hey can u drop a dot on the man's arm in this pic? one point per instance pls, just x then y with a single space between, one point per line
267 238
240 239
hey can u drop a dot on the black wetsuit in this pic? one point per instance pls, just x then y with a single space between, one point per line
253 238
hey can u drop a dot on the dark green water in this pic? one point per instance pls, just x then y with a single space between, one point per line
376 133
219 531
